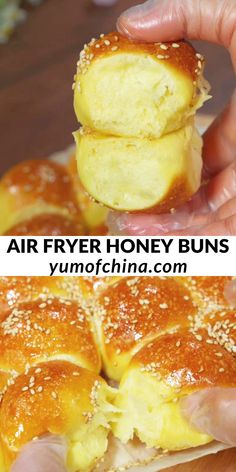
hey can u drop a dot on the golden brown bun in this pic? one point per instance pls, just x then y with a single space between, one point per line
135 310
60 398
208 292
94 215
187 362
128 88
167 369
15 290
47 225
135 174
42 330
36 187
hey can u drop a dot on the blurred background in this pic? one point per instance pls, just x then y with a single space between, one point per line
38 62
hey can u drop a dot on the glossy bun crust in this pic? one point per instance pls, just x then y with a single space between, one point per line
136 310
28 333
135 89
60 398
36 187
15 290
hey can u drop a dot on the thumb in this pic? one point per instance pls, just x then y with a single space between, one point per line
168 20
213 411
47 454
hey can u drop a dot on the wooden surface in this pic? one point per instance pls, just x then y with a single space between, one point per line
36 70
36 114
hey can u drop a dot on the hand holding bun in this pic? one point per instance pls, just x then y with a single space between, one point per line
138 148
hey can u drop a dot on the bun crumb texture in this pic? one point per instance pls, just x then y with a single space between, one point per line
130 96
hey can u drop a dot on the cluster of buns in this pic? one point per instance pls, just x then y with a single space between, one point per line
49 369
138 147
45 198
160 339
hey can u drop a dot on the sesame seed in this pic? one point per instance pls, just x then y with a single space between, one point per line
107 42
54 395
24 389
198 337
199 64
221 369
97 46
42 305
175 45
163 306
164 47
114 48
160 56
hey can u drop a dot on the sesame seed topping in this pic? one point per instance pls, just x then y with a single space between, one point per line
163 306
164 47
175 45
107 42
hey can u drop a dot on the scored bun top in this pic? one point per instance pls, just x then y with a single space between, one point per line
179 54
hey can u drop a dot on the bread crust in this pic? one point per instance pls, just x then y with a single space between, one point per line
180 54
54 397
28 333
45 225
